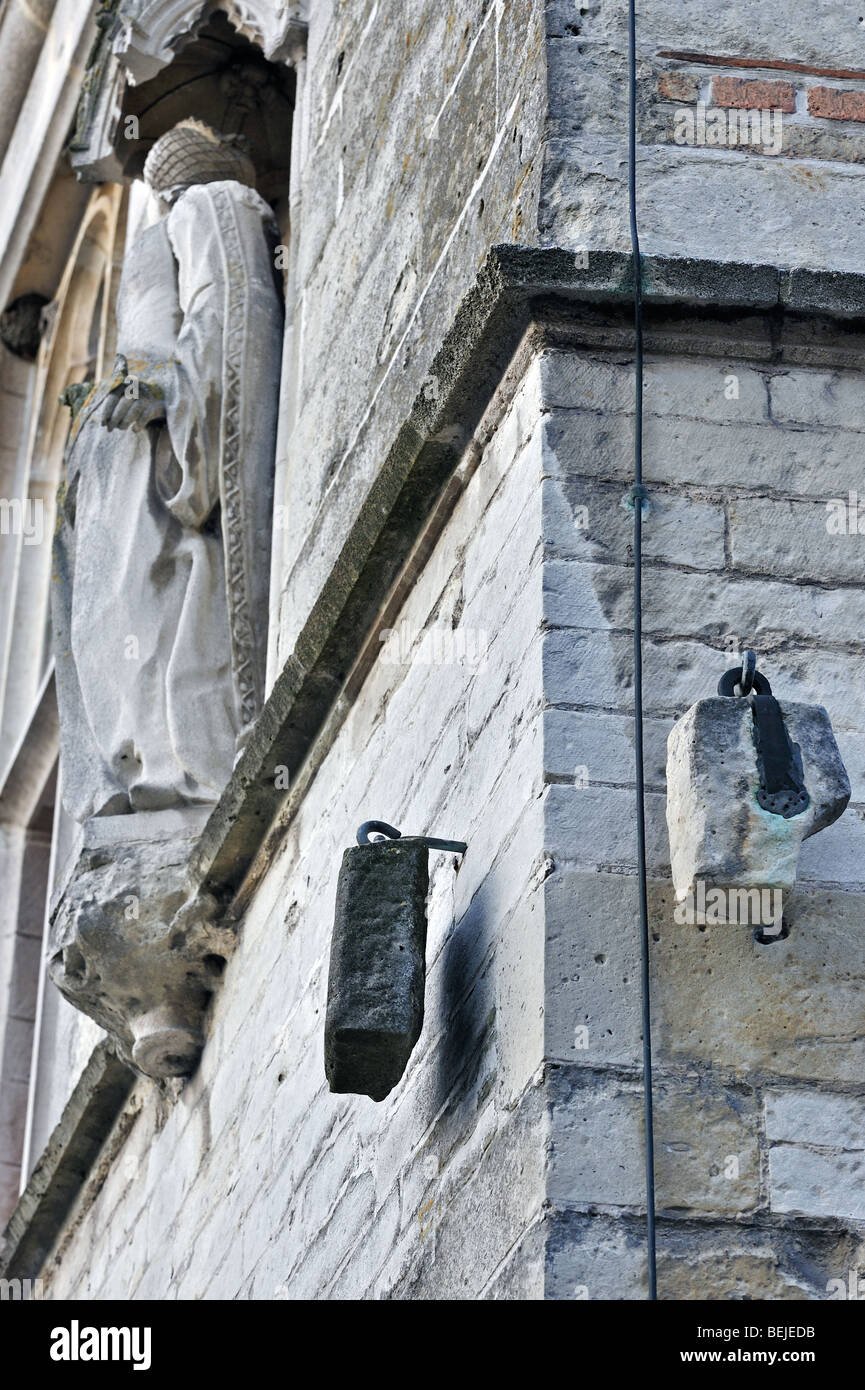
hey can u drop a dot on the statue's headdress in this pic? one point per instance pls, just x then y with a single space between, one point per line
191 152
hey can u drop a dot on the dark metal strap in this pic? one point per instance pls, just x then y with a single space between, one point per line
386 831
779 762
744 679
390 832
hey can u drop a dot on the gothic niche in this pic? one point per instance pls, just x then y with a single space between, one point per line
163 540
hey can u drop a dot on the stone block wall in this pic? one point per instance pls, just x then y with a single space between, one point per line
255 1181
421 127
759 1138
791 200
509 1161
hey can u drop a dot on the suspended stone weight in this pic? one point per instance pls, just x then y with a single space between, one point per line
375 997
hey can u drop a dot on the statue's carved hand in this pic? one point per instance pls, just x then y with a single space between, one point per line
137 397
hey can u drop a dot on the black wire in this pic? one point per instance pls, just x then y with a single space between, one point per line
637 494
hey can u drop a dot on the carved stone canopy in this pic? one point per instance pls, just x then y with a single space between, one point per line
227 62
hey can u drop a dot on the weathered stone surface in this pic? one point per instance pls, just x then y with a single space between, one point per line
584 202
821 539
58 1176
676 601
685 450
817 1118
586 746
817 1153
586 519
594 1257
707 1156
811 1183
131 946
377 974
402 1180
584 193
681 24
793 1008
426 134
720 832
727 1263
327 627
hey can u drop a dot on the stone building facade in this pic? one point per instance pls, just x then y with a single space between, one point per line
449 648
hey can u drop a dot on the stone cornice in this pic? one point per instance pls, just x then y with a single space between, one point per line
63 1168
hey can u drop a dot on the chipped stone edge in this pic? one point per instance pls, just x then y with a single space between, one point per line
66 1163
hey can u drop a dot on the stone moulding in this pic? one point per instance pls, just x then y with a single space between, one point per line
89 1117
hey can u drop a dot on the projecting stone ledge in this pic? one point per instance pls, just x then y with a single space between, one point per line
131 945
87 1120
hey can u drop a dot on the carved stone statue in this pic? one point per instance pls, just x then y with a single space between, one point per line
162 549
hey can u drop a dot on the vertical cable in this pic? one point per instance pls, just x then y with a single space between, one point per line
637 495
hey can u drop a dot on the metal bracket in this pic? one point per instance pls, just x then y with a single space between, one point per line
637 493
779 762
390 832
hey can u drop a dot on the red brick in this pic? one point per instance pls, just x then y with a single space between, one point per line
678 86
753 95
835 104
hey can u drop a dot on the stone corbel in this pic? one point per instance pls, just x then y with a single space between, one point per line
132 943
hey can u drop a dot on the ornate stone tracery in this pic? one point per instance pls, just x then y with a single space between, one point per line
152 31
138 41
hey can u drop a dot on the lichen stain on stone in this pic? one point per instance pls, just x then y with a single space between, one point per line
814 182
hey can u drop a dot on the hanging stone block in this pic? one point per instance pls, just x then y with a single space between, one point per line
723 830
375 994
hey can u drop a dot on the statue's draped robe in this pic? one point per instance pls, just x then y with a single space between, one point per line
162 548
